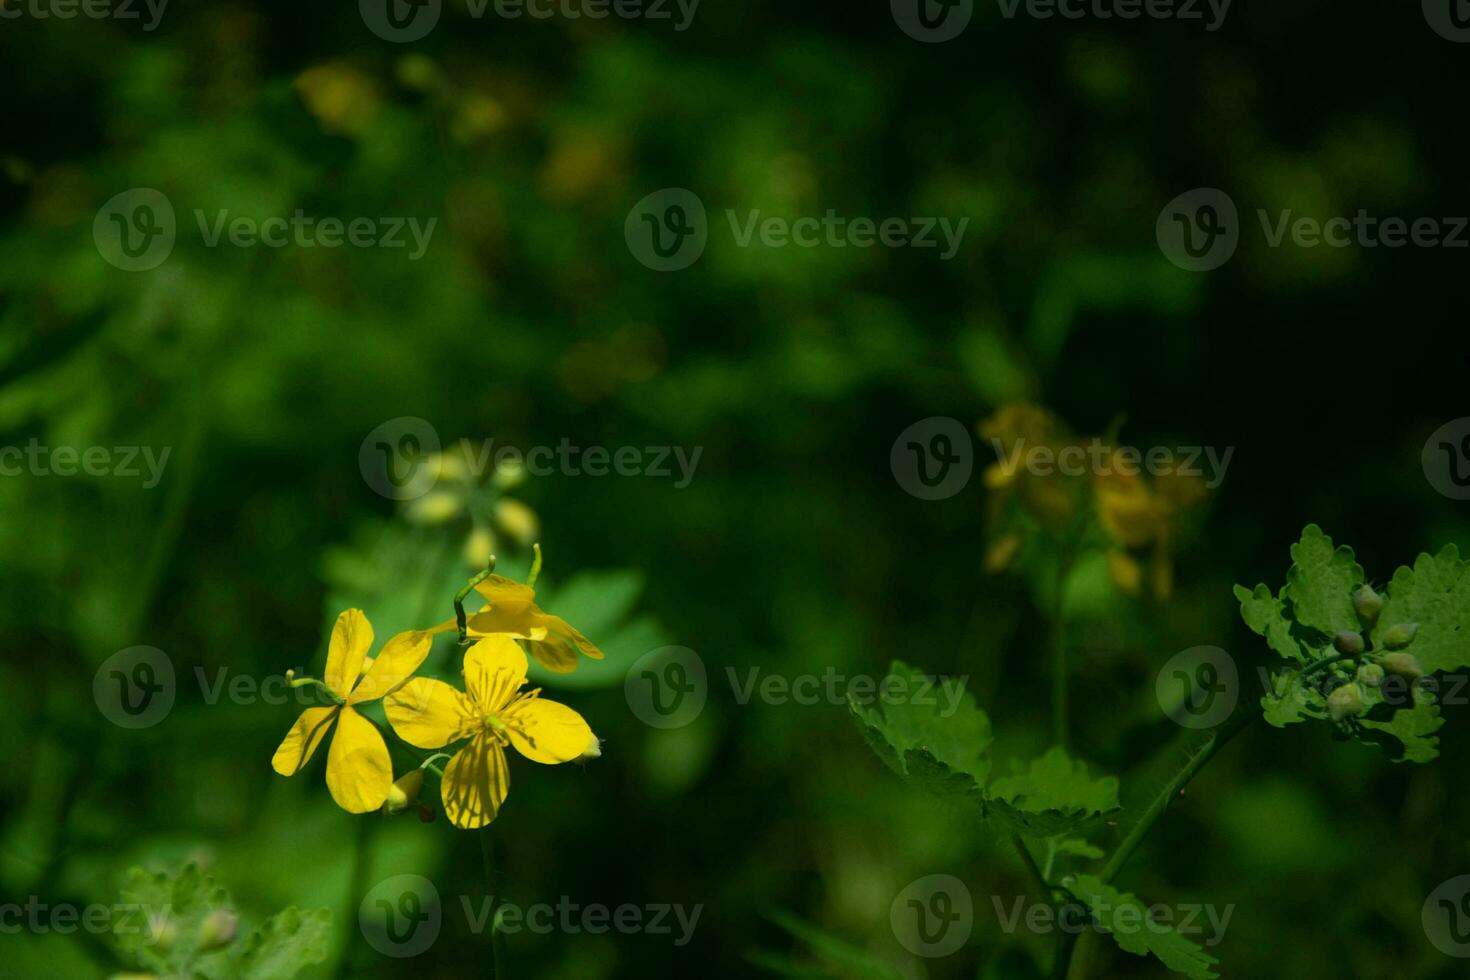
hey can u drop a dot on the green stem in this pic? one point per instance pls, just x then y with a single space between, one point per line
1061 730
462 594
1196 761
535 566
1037 877
356 888
487 852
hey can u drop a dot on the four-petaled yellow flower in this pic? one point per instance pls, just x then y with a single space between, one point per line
492 713
511 610
359 771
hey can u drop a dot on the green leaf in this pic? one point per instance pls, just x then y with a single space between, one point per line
1267 616
1053 796
946 756
1292 700
1408 735
1435 593
600 605
1137 933
1075 847
289 941
163 906
1321 582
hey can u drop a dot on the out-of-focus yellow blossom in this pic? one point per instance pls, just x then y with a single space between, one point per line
1001 552
1137 515
491 713
343 99
1015 432
517 520
359 771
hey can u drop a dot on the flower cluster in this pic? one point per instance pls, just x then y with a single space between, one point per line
491 713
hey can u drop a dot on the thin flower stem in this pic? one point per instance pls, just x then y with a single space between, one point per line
1061 729
487 851
459 598
1196 761
1037 877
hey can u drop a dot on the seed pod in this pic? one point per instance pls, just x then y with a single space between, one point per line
1400 636
1348 643
404 792
1368 604
1370 675
1404 665
1345 702
217 930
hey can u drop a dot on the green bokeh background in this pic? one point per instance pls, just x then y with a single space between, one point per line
793 549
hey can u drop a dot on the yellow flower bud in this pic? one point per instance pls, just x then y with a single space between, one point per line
436 507
478 547
404 792
218 930
1345 702
517 520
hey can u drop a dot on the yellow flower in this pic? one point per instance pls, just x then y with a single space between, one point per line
359 771
1137 515
1015 432
492 713
511 609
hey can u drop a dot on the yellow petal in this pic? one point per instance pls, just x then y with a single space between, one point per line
494 670
352 637
475 783
544 731
296 749
430 714
395 663
1124 571
498 588
554 653
359 771
521 619
561 627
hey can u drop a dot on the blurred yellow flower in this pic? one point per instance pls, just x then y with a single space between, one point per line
343 99
1136 515
359 771
492 713
1015 432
